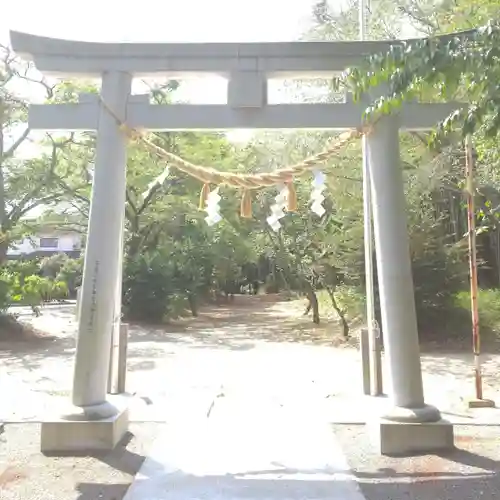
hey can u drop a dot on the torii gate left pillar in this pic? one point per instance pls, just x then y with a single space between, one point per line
247 67
103 270
103 422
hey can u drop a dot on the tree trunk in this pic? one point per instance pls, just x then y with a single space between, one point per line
341 315
313 302
308 309
193 305
4 246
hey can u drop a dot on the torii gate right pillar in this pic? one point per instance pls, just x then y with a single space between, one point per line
399 319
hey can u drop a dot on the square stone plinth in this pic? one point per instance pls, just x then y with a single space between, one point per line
405 438
81 436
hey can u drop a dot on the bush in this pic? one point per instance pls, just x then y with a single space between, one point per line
5 293
28 290
438 274
352 300
439 271
22 268
51 266
488 305
71 273
273 284
148 287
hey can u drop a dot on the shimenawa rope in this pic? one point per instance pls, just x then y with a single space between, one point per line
247 182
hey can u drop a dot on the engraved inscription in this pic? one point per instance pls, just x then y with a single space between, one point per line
93 303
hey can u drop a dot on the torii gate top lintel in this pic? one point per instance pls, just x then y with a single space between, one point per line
52 55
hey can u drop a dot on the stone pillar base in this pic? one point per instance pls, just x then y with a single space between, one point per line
77 434
410 438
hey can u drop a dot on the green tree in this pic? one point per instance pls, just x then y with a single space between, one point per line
27 181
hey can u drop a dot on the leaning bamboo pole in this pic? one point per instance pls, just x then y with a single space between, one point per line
479 401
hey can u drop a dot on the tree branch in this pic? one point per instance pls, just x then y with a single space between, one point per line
10 152
18 211
416 15
27 208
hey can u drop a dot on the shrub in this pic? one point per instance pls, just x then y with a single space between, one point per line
34 290
71 273
488 305
51 266
28 290
439 272
148 287
5 293
352 300
22 268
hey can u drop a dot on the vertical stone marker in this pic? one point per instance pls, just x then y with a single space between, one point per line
96 422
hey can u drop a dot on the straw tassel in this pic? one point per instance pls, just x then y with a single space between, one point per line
205 191
246 204
291 198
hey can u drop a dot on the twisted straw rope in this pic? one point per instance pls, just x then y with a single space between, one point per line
209 175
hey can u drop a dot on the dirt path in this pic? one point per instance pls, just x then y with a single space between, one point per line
254 346
240 343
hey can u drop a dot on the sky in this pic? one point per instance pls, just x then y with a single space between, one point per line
159 20
163 21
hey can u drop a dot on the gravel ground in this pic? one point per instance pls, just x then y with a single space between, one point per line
26 474
471 472
253 352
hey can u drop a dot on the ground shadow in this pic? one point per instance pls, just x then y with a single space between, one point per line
469 471
240 324
460 456
471 459
249 485
30 354
121 459
236 325
254 484
467 487
459 365
94 491
35 344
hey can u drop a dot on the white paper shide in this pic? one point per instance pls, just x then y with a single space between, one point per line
278 209
213 208
317 198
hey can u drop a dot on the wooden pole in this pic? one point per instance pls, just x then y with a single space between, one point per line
471 226
375 355
118 362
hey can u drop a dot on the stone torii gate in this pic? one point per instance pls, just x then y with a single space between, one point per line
247 66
